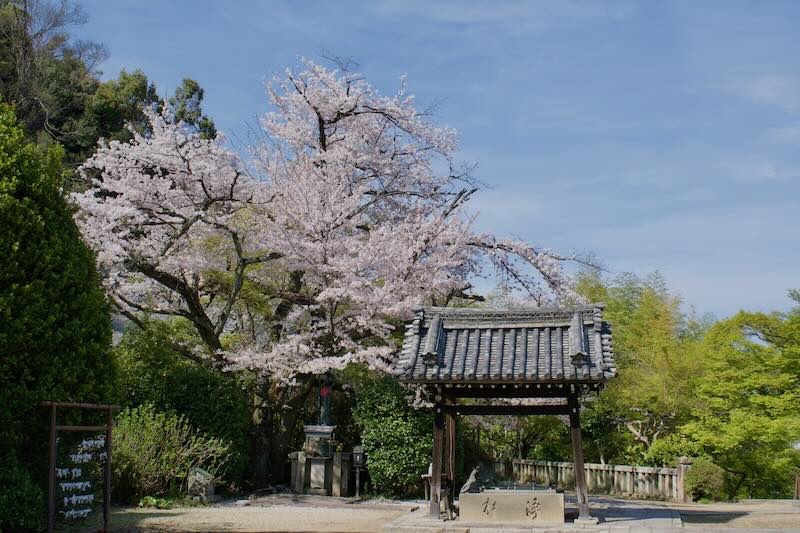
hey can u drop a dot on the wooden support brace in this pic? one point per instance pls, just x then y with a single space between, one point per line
51 491
497 410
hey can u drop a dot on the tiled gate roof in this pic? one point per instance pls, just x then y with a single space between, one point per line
519 345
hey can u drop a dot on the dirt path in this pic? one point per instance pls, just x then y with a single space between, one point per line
269 514
776 515
290 513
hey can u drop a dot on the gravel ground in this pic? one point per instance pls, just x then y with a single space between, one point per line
290 513
268 514
273 518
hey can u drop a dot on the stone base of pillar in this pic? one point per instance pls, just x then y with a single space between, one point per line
586 522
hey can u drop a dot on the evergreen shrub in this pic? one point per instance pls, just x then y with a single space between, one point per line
154 451
55 327
396 437
705 480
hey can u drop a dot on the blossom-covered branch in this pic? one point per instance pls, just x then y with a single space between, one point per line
351 213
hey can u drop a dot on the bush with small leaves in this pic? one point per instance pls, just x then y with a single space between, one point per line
154 451
705 480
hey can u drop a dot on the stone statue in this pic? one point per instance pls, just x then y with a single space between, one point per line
325 392
471 485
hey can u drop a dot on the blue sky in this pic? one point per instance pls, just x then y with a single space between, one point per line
655 135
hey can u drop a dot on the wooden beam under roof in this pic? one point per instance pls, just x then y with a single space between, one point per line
514 410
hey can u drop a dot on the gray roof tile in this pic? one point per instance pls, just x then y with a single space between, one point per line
518 345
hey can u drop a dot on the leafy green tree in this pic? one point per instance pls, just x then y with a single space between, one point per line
55 328
396 437
604 437
746 411
546 438
654 347
186 104
47 76
117 104
152 372
53 83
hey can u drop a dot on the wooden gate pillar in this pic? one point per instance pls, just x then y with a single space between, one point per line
577 455
436 469
450 458
450 446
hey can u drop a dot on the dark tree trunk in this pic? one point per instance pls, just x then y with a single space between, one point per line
278 417
261 420
289 415
274 418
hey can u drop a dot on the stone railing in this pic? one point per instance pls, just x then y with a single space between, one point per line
619 480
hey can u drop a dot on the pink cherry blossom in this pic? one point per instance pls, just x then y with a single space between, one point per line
303 256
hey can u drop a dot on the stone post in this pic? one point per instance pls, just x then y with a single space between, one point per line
298 460
797 486
336 486
684 464
347 468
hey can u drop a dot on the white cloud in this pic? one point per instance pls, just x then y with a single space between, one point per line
778 91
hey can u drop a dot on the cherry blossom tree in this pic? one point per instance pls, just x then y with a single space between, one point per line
349 214
306 254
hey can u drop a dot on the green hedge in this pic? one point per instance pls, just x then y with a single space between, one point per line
55 328
396 437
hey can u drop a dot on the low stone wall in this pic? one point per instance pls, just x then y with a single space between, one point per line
619 480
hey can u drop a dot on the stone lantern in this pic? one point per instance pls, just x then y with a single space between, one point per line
358 463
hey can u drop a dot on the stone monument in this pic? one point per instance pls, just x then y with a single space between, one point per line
319 436
200 486
321 468
515 506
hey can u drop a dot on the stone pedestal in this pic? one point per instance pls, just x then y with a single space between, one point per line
586 522
200 486
320 476
513 506
326 476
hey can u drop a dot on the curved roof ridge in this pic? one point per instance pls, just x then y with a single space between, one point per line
432 309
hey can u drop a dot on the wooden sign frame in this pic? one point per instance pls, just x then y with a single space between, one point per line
54 429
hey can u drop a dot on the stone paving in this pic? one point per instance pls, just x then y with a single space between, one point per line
623 516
